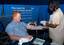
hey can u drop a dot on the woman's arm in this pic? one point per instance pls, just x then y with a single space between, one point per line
51 25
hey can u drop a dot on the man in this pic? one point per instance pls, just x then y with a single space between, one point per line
17 29
56 25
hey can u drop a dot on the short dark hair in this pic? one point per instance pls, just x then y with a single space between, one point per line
54 3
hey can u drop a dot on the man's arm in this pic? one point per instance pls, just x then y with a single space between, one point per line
14 37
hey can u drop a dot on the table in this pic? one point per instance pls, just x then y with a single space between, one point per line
42 32
38 29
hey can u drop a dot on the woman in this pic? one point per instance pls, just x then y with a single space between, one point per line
55 24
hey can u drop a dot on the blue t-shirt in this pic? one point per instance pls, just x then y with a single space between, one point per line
18 29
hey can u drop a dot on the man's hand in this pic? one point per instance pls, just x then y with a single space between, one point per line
29 37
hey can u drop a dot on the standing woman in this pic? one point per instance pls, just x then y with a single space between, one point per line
55 24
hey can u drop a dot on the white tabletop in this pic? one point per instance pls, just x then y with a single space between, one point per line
38 28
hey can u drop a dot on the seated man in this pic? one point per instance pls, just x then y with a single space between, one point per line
17 29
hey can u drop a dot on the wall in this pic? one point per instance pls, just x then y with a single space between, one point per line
28 12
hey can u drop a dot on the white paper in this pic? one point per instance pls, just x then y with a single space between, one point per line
24 40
